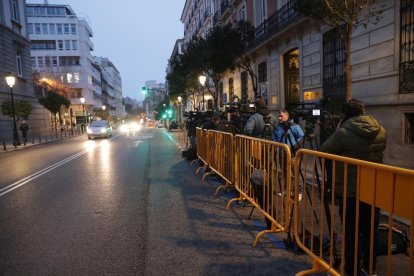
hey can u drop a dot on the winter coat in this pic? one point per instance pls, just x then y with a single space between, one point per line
360 137
255 123
294 131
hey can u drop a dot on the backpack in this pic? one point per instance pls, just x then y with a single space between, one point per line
399 244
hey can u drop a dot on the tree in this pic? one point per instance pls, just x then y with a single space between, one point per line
22 109
247 33
345 15
54 102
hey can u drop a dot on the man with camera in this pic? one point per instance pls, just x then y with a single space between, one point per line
287 132
359 136
256 122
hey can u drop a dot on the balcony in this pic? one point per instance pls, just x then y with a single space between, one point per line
226 9
216 18
276 23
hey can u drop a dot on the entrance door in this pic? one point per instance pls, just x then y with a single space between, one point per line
291 69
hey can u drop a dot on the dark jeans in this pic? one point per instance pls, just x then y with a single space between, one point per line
364 233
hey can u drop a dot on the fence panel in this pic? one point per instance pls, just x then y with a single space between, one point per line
202 143
221 156
337 222
263 176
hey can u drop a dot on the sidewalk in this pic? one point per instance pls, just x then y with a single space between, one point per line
7 146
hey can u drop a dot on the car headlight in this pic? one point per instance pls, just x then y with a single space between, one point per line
124 128
103 130
88 130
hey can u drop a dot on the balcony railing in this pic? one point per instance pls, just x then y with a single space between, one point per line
216 18
226 8
275 23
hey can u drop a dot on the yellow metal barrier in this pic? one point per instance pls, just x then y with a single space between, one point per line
202 143
221 159
269 164
322 234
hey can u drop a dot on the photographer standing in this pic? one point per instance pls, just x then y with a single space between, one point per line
255 125
287 132
360 136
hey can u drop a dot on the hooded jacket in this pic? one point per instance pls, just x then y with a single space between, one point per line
255 124
360 137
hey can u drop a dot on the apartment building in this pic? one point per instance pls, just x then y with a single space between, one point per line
112 95
61 46
15 60
299 60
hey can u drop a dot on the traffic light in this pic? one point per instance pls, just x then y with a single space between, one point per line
169 113
144 90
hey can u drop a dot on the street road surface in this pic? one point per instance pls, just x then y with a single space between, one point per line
128 205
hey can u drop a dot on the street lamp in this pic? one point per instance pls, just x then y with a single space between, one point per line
202 80
82 100
103 107
11 80
179 109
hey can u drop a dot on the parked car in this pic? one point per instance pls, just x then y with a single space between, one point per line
173 125
100 128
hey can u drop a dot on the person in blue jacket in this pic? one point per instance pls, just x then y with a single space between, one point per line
287 132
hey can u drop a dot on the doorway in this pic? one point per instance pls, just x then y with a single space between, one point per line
291 69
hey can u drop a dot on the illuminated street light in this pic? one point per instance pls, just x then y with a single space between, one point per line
82 100
202 80
11 80
104 107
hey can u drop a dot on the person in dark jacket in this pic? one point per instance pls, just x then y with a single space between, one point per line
255 123
212 124
360 136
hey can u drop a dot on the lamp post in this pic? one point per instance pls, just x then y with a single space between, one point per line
202 80
179 109
11 80
82 100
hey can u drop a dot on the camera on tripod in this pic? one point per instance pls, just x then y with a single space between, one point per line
308 111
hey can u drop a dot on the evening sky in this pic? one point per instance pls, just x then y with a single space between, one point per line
138 36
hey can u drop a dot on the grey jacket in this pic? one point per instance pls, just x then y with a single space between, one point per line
255 124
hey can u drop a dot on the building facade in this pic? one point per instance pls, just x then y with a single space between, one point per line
15 60
113 95
61 53
298 60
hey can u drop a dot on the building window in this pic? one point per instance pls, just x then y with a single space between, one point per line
60 44
44 28
231 89
244 90
19 63
259 11
407 47
73 28
67 44
47 61
52 28
76 77
40 61
30 28
74 45
59 28
15 10
33 61
262 72
409 128
66 28
334 82
241 14
54 61
37 28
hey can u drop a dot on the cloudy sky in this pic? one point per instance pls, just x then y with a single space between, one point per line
138 36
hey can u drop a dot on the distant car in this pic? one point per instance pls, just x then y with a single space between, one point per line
173 125
100 128
160 124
